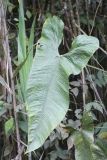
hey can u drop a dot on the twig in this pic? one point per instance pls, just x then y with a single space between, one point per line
41 156
103 50
72 17
80 28
95 16
19 155
97 68
77 13
98 96
97 62
87 14
67 19
14 105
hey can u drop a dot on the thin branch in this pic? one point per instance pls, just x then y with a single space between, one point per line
95 16
77 14
97 68
97 62
72 17
19 155
14 106
87 14
80 28
103 50
95 89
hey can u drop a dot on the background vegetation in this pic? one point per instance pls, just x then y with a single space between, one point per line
88 89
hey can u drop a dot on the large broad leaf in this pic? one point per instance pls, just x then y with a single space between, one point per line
48 86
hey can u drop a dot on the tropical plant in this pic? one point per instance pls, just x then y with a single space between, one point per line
51 101
47 99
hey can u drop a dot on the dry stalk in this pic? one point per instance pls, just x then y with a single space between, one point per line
5 44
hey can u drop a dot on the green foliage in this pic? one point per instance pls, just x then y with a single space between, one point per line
48 86
25 51
102 143
100 79
103 131
83 140
9 126
82 134
94 105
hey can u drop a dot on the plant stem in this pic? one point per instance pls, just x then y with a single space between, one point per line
7 53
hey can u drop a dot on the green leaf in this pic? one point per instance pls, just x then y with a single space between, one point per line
23 126
102 143
85 149
25 57
47 97
10 6
83 48
87 121
103 132
84 141
22 48
9 125
96 105
28 14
